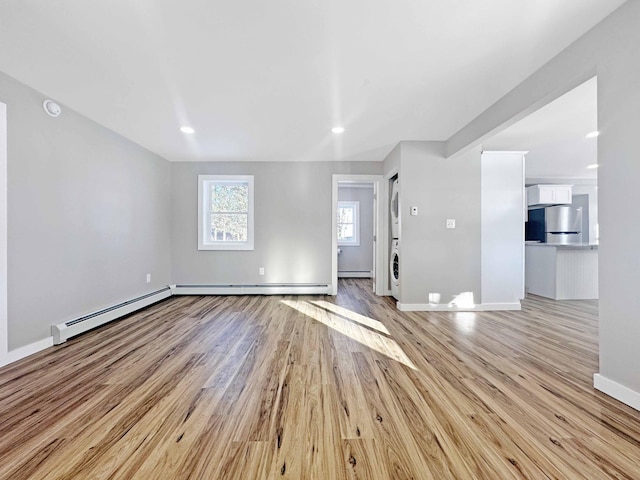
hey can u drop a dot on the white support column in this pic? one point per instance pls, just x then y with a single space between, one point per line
502 228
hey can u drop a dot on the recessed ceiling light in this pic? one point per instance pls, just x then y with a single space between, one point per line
595 165
186 129
337 130
592 134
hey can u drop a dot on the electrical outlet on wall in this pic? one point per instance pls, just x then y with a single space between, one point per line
261 271
148 278
451 223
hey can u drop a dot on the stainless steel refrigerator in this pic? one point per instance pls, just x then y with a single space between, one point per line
559 225
563 224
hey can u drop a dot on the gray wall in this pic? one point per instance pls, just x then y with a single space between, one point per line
582 202
611 50
434 259
360 258
87 216
293 223
592 220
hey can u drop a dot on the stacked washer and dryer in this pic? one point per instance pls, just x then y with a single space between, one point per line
394 258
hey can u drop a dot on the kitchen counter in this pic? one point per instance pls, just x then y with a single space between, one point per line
562 272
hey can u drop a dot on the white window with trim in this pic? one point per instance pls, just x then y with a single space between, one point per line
349 224
225 212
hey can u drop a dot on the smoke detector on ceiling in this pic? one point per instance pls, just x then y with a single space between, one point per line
52 108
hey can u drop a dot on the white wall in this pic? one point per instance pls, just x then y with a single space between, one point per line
502 217
611 50
358 258
293 223
87 216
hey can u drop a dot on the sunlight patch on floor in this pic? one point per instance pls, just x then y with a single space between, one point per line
355 331
465 322
356 317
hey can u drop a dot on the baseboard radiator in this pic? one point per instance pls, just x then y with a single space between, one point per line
63 331
355 274
261 289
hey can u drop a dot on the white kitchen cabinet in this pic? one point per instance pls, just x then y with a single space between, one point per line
549 195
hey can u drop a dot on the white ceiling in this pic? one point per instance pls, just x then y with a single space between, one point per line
555 136
267 80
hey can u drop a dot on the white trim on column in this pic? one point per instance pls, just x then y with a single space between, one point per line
481 307
616 390
387 229
4 330
386 246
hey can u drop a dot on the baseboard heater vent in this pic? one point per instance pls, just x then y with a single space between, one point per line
63 331
260 289
355 274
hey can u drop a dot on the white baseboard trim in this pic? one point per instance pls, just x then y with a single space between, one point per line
354 274
492 307
264 289
22 352
430 307
616 390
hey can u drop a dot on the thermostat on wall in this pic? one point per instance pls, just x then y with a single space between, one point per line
52 108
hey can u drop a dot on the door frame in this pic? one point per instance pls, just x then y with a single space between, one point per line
379 192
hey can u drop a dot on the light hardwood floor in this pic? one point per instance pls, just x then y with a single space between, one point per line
313 387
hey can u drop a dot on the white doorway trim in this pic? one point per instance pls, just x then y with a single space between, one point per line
376 180
395 172
4 331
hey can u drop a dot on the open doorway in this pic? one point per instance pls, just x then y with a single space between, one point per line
356 229
356 234
562 226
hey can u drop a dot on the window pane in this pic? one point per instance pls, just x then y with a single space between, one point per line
229 198
345 232
345 215
226 208
229 227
